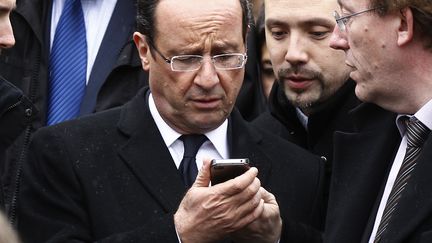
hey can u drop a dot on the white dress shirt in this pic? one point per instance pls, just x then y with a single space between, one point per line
97 14
425 116
216 147
302 118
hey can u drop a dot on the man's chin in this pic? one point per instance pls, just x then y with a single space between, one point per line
302 100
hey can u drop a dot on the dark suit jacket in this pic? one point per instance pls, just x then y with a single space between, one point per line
110 176
362 163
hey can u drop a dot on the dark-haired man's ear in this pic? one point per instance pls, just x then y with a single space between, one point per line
406 26
143 49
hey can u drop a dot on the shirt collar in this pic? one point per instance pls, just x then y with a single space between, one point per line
424 115
218 137
302 118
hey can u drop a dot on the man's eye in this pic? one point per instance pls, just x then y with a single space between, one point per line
187 59
278 34
319 34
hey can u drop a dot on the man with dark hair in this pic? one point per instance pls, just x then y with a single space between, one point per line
313 93
266 74
128 174
381 189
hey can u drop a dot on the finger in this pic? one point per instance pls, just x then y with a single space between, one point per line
238 184
250 217
203 177
267 196
246 207
253 190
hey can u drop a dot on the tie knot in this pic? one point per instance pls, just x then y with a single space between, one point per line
192 142
416 132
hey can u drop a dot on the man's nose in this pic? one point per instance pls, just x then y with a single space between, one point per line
297 52
207 75
338 39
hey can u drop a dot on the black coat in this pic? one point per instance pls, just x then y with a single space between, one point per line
331 116
110 177
26 66
16 113
363 159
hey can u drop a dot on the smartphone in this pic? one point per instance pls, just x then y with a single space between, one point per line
222 170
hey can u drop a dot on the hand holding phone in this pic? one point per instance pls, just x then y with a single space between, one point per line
222 170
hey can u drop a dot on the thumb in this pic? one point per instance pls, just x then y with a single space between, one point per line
203 177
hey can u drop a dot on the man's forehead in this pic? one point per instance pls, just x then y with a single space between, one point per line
192 19
341 3
300 9
351 3
185 6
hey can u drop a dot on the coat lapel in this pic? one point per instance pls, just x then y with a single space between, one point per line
244 143
147 155
118 35
151 161
416 202
361 161
34 12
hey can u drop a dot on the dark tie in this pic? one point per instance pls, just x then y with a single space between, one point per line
188 168
416 133
68 64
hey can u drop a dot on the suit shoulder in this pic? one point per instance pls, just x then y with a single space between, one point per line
89 124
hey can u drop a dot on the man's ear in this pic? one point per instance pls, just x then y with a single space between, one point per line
406 26
143 49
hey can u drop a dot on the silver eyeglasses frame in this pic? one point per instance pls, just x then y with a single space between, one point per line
242 60
341 21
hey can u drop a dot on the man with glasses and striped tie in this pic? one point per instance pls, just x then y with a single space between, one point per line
131 174
382 183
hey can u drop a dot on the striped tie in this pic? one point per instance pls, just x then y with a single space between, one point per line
416 134
68 64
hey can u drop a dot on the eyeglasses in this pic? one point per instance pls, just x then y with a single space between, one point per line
342 21
188 63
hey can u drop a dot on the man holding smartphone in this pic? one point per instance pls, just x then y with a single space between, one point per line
123 175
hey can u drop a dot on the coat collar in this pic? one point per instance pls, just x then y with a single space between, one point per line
324 114
35 12
244 142
147 156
